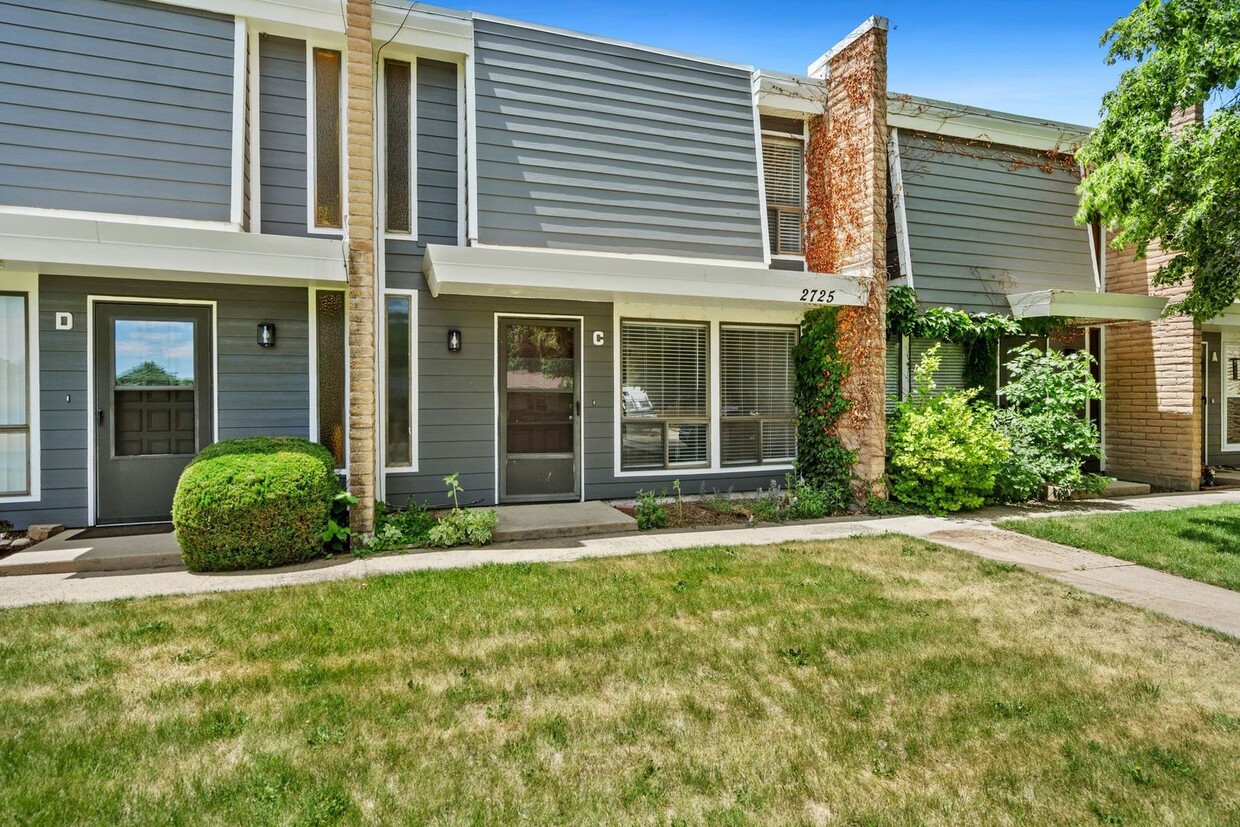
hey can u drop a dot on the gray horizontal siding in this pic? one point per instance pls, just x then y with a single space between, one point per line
988 221
584 145
282 124
116 106
260 391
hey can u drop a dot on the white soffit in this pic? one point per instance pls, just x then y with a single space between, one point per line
789 96
1080 304
118 248
973 124
518 272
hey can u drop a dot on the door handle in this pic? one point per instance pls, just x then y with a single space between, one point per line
99 414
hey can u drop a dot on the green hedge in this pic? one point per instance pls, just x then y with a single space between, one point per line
254 503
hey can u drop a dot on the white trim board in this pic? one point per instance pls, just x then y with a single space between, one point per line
972 123
28 283
903 251
1079 304
241 44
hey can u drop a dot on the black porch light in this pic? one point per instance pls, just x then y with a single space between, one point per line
266 334
454 341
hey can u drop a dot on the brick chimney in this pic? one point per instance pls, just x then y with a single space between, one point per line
846 230
360 235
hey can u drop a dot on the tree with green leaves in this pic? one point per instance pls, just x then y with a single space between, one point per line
1179 187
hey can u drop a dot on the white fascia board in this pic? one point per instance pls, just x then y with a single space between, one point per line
973 124
442 31
516 272
113 247
789 96
821 67
326 15
1081 304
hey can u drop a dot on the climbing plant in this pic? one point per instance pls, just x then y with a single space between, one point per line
822 460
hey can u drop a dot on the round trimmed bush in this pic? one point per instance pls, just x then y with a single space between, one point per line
254 503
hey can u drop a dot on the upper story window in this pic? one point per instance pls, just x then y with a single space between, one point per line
398 148
328 211
783 162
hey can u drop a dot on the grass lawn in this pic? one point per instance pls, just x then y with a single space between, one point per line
1201 543
869 681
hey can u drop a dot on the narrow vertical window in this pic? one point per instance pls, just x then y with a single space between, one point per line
14 396
783 163
330 359
327 189
399 373
665 419
758 422
397 162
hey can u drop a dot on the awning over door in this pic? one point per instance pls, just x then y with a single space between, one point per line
1085 304
519 272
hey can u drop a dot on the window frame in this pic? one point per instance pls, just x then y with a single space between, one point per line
774 136
414 374
708 420
313 322
27 286
313 227
791 418
382 125
1226 337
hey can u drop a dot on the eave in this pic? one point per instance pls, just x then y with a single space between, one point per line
1081 304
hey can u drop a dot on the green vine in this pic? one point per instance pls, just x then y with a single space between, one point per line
822 460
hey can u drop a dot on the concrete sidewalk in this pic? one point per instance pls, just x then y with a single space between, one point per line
1187 600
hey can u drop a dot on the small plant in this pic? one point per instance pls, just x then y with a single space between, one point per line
460 526
719 503
337 537
650 513
766 506
680 505
808 502
454 489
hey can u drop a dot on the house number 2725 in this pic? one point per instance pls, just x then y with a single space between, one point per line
817 296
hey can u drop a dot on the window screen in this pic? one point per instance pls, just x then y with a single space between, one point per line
329 357
783 163
664 410
14 393
327 198
758 421
399 375
397 78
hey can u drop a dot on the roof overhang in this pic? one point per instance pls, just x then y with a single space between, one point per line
78 246
521 272
1082 304
955 120
789 96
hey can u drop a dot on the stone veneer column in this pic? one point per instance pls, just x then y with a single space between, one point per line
360 235
846 228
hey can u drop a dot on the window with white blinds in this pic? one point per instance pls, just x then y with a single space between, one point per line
758 422
951 362
14 396
893 374
783 163
664 390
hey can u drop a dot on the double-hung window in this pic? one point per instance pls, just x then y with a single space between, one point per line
664 389
758 422
14 395
327 178
783 164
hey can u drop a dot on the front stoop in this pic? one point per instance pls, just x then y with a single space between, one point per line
64 554
543 522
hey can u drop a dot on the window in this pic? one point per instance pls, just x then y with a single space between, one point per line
783 163
14 396
329 359
758 422
894 394
664 416
951 362
398 163
1231 391
328 212
398 367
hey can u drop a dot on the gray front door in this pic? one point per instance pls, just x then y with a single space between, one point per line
539 410
153 405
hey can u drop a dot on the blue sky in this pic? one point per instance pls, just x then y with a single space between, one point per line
1039 59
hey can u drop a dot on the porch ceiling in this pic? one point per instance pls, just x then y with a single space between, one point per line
519 272
1082 304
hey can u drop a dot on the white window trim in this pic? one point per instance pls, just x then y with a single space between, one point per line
414 382
254 139
28 283
714 318
92 481
381 138
313 327
903 250
786 137
756 90
783 463
1228 337
241 42
312 198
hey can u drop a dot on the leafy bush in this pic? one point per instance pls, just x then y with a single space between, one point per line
945 451
1045 424
650 513
254 503
338 537
819 399
808 502
460 526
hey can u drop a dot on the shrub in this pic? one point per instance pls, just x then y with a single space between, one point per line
650 513
1045 425
808 502
254 503
945 451
459 526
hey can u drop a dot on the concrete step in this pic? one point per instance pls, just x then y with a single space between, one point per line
1123 488
65 554
542 522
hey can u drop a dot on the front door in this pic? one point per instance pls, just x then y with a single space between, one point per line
153 405
539 410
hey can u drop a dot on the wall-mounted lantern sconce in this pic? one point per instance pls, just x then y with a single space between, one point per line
266 334
454 341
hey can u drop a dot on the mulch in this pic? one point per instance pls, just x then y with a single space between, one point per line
694 515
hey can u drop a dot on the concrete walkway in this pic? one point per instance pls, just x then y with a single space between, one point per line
1188 600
